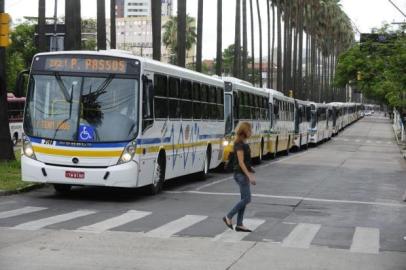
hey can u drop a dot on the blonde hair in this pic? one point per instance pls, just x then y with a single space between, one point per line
242 131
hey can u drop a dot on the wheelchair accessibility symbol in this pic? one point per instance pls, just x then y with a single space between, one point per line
86 133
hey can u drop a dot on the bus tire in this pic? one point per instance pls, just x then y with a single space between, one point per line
206 164
62 189
159 176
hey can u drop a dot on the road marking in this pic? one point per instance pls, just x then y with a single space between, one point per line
114 222
289 198
301 236
214 183
258 167
175 226
21 211
233 236
378 142
368 141
365 240
346 140
388 143
358 140
41 223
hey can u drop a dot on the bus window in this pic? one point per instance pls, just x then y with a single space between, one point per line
204 93
196 91
186 90
160 85
212 94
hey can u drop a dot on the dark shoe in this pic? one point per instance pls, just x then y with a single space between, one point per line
228 224
239 229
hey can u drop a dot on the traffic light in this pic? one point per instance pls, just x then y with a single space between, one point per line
4 29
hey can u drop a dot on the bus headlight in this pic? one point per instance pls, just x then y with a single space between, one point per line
28 150
128 154
225 143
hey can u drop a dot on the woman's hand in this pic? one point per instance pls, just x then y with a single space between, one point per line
251 178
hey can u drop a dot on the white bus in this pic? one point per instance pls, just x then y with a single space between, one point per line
302 123
319 128
15 116
112 119
243 102
283 122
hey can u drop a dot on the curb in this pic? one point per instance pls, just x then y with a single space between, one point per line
21 190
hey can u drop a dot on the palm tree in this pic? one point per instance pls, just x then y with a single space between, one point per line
170 35
156 8
279 52
112 24
101 25
268 72
42 43
237 40
219 37
181 33
199 36
260 43
273 43
72 18
252 44
244 40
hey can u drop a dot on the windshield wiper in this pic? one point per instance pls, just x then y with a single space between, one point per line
63 88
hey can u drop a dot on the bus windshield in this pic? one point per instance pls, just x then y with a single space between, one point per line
82 109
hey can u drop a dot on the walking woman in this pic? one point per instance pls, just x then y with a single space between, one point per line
243 175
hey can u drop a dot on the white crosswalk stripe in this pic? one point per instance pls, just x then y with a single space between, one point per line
41 223
114 222
301 236
233 236
378 142
365 240
175 226
368 141
20 211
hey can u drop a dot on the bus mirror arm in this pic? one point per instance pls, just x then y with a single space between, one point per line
19 91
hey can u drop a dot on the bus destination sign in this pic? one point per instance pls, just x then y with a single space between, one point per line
86 64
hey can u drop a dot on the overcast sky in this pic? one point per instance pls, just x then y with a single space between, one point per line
365 14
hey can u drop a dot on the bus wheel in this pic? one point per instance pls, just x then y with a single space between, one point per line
15 139
206 166
62 188
159 177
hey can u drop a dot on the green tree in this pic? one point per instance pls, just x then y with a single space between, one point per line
170 35
377 69
22 42
89 30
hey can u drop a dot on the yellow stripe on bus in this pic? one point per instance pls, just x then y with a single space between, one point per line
76 153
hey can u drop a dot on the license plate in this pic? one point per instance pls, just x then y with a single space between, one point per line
76 175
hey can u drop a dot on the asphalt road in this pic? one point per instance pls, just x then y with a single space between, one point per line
335 206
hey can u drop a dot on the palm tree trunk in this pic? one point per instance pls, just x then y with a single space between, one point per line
237 40
181 34
199 36
42 42
6 146
219 57
244 40
273 44
252 44
260 44
101 25
113 24
268 71
279 52
73 32
300 64
156 10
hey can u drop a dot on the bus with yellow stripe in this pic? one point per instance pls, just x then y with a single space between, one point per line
112 119
246 103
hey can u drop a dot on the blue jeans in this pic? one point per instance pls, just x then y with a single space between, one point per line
245 191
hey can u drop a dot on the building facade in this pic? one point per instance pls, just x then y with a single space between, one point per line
142 8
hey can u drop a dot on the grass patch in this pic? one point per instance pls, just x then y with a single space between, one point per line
10 174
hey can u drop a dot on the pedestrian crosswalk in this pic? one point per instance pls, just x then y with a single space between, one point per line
302 235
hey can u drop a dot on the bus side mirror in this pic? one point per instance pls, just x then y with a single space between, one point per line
21 83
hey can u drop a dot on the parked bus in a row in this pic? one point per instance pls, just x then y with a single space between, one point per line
109 118
15 116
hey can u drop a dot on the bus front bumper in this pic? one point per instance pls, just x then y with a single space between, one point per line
123 175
